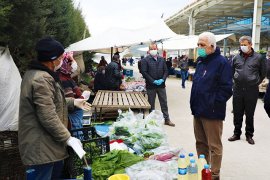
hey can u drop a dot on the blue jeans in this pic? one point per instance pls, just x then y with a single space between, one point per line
184 76
75 119
48 171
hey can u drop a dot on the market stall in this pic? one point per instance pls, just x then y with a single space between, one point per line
119 100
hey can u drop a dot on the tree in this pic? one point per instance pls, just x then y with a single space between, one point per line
24 22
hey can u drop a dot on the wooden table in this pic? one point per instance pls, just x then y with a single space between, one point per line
119 100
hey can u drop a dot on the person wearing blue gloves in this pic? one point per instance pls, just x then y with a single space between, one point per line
155 72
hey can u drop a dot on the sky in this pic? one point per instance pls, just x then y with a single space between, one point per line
101 15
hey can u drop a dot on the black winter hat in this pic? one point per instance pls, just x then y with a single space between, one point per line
49 49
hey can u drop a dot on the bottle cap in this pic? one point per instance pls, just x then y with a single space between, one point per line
190 154
192 161
202 156
182 156
206 166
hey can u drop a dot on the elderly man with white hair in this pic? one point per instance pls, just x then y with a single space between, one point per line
211 88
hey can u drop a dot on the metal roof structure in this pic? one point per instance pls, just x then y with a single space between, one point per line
221 16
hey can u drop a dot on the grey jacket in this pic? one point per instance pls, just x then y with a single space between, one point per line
42 119
152 69
248 72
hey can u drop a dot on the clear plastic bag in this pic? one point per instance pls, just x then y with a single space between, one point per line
153 170
10 86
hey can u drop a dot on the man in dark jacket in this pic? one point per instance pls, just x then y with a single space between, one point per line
113 74
155 72
248 72
212 87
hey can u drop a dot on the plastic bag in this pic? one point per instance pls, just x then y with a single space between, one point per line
154 119
10 83
153 170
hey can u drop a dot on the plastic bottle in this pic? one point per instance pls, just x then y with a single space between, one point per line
206 173
201 163
190 156
182 168
182 174
192 170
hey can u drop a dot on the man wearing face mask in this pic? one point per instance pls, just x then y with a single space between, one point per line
155 72
211 89
43 117
249 70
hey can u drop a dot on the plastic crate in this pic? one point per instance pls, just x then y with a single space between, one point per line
11 166
94 146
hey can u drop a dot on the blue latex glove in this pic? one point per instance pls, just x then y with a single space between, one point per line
156 82
161 81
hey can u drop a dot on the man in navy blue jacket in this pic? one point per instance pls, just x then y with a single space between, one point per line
155 72
211 89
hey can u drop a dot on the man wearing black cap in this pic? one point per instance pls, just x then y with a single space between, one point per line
43 119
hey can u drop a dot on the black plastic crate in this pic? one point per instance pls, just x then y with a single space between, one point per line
94 146
11 166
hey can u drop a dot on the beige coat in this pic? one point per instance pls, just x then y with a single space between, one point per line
42 119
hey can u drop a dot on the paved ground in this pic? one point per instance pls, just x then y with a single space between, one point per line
241 161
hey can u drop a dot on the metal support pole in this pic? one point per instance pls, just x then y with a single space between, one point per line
191 23
224 47
256 30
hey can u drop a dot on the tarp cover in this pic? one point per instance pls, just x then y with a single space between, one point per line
119 37
10 83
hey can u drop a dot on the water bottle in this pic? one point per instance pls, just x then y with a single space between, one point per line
87 173
190 156
192 170
182 174
182 168
201 163
30 174
206 173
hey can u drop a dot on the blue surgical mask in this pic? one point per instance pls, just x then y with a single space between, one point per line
202 52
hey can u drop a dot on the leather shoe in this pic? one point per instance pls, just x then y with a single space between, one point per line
169 123
250 140
234 138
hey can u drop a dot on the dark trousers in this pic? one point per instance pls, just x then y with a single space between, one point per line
244 102
162 97
48 171
184 75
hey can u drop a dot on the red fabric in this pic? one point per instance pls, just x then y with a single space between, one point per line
116 140
164 54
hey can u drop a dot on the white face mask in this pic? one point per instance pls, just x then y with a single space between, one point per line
59 66
244 49
153 52
74 66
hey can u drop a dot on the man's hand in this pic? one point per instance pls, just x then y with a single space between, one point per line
156 82
76 146
160 81
82 104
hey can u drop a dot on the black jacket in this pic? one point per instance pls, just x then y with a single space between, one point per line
152 70
267 101
113 76
248 72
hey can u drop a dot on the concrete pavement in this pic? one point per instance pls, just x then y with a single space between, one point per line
241 161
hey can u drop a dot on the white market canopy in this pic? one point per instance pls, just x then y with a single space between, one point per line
119 37
188 42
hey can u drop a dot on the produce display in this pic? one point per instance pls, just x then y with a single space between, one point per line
113 162
139 134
